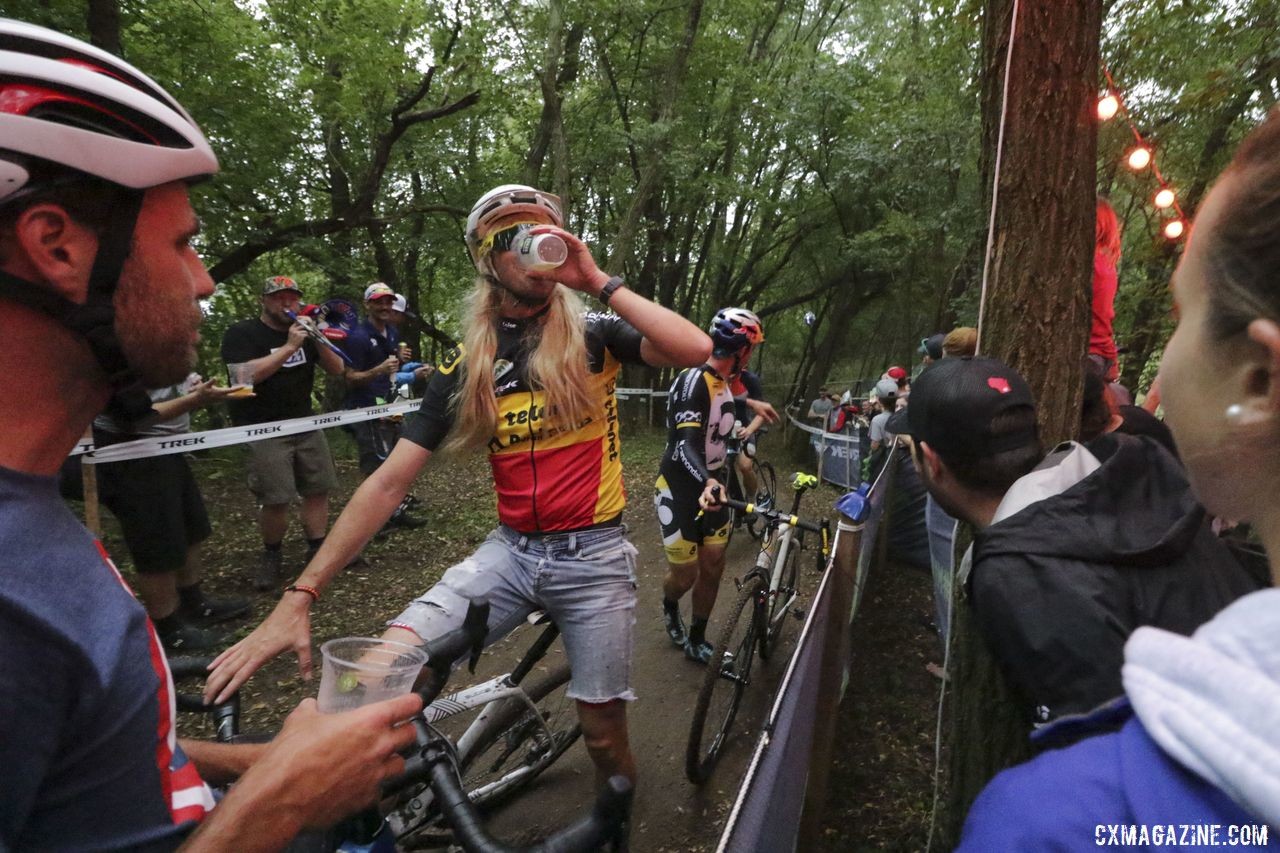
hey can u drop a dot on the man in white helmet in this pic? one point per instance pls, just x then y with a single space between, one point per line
96 265
533 384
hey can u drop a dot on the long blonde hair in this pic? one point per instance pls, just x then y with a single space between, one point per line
557 364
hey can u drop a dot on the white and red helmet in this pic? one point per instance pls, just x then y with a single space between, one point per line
68 104
734 329
69 112
505 206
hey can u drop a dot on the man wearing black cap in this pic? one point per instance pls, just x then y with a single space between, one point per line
1072 551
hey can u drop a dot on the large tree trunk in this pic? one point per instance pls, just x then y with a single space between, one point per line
1036 316
104 25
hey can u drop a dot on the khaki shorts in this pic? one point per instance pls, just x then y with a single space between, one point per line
291 465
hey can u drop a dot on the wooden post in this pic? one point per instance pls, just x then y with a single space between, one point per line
88 475
835 657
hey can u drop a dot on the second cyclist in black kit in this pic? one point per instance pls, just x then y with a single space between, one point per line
695 530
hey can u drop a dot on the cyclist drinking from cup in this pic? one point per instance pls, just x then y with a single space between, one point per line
533 383
695 530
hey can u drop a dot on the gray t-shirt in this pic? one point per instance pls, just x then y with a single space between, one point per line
176 426
877 428
819 408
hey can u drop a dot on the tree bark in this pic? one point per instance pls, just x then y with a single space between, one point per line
104 25
1036 316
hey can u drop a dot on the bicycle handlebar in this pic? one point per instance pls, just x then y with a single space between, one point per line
604 825
770 514
225 715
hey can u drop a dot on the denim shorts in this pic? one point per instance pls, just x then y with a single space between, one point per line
586 581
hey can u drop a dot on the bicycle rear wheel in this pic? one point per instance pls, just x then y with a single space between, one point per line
518 743
727 676
766 490
779 600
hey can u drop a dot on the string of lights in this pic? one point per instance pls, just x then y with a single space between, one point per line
1141 156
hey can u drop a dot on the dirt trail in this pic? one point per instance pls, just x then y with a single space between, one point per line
670 813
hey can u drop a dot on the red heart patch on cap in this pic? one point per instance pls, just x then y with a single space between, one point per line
999 383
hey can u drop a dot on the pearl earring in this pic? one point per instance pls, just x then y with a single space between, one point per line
1234 413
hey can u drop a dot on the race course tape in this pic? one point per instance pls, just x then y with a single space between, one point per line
162 445
826 436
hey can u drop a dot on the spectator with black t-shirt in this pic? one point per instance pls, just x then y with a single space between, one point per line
163 519
282 360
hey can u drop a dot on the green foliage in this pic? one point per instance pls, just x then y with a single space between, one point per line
811 156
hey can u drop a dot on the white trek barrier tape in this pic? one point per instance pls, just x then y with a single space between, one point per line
162 445
828 436
639 392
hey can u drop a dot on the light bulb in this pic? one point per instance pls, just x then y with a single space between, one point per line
1139 158
1164 198
1108 106
1173 229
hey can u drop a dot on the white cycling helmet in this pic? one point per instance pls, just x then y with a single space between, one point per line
734 329
68 112
507 205
68 104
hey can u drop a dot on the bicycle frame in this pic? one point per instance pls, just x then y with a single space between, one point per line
774 549
491 695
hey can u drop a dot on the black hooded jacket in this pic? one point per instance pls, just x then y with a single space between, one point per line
1058 586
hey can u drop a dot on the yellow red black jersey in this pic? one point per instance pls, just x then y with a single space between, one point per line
549 476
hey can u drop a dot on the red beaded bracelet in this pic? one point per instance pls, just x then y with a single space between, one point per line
301 587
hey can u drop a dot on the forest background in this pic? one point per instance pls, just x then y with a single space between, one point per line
794 156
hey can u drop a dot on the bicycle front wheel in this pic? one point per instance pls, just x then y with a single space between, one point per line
519 742
766 495
728 674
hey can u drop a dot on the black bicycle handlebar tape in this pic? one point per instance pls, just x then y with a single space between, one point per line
447 649
189 667
771 514
604 825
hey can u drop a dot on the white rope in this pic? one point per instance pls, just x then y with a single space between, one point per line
995 181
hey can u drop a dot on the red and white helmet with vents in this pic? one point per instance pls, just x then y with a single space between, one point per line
64 103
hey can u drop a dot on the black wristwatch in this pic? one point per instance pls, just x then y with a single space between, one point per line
610 287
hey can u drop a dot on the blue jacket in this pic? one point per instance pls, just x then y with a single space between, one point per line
1103 792
368 348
